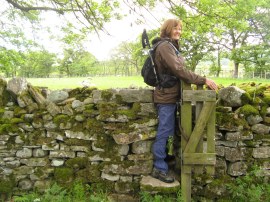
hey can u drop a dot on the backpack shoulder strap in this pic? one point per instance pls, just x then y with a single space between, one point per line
156 45
177 52
175 49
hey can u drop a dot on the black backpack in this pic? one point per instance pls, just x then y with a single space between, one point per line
150 74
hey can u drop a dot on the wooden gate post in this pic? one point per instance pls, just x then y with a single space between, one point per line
198 141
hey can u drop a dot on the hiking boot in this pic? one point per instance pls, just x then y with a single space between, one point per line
162 176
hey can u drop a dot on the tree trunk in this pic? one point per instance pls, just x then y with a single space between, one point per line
218 63
236 67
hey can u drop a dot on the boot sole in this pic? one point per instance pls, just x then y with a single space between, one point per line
162 180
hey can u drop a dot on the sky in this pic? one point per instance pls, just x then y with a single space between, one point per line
122 30
125 30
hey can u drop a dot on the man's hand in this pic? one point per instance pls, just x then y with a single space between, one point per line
211 84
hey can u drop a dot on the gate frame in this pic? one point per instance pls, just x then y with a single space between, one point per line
196 153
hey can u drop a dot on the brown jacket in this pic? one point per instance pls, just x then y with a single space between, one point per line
169 62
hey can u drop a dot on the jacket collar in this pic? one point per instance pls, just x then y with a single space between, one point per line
174 42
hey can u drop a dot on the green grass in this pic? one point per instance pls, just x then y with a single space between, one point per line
100 82
118 82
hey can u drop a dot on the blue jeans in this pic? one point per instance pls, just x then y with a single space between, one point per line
166 126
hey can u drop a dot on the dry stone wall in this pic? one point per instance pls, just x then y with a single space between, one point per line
104 137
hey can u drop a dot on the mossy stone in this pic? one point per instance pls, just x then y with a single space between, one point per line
7 184
106 110
94 126
131 113
163 190
77 142
246 98
36 138
104 185
266 99
248 110
18 111
11 142
77 163
2 111
64 175
90 174
261 137
229 120
106 95
16 120
119 99
8 127
61 118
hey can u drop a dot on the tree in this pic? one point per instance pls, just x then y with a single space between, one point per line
77 63
10 62
91 14
227 25
128 55
37 64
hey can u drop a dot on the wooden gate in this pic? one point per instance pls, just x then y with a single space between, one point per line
197 135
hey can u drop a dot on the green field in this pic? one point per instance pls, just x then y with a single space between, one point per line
118 82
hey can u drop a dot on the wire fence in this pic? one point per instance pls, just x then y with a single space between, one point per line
241 74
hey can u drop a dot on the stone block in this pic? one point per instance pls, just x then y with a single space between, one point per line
35 162
260 129
109 177
153 185
142 147
138 135
130 168
124 187
233 136
231 96
147 109
237 169
40 153
24 153
57 162
62 154
254 119
220 150
25 184
261 153
235 154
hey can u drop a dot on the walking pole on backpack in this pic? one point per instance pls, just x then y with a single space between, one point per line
145 43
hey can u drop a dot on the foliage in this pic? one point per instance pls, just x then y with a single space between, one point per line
226 26
128 58
10 61
146 197
77 63
78 192
238 30
37 64
90 14
252 187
